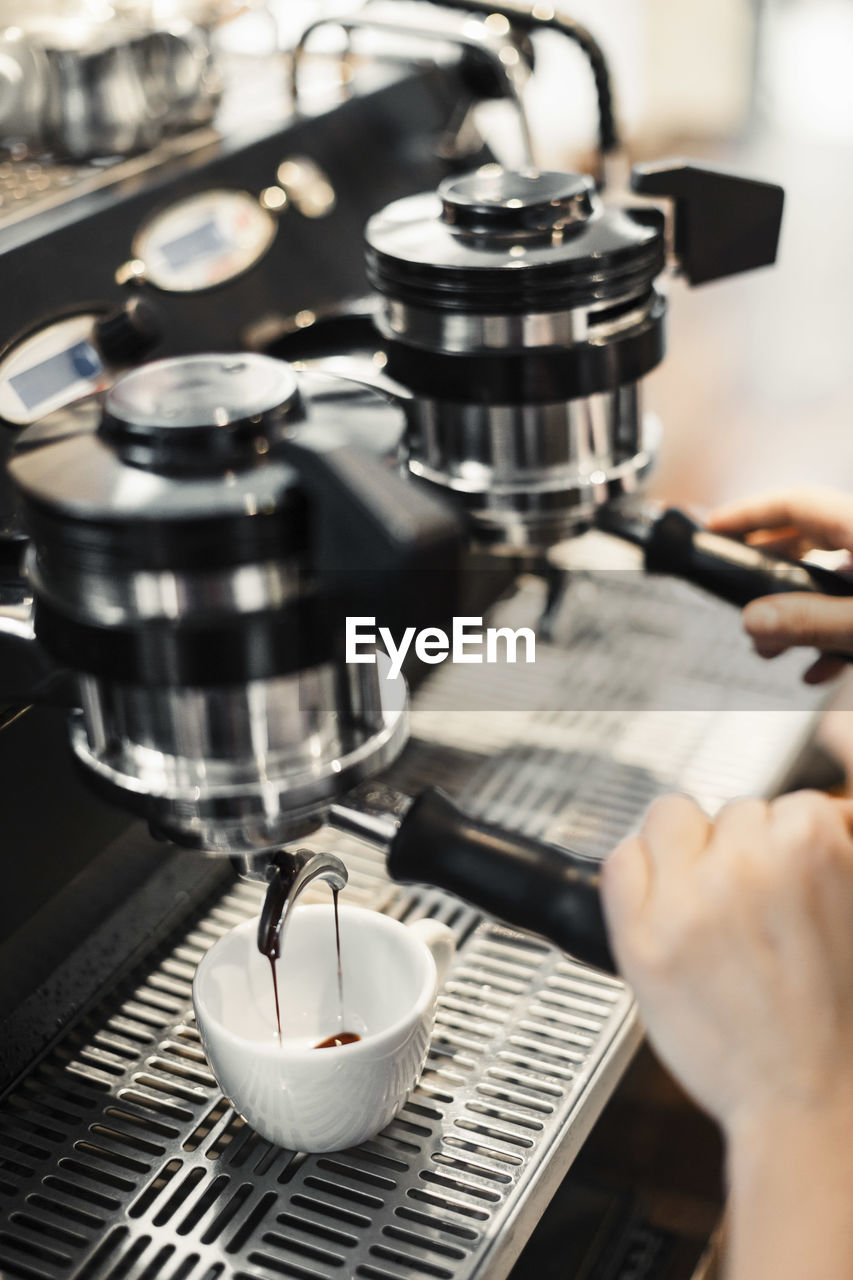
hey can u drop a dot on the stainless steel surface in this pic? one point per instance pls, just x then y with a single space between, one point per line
96 103
230 744
521 312
21 86
119 1156
29 185
232 768
456 332
417 25
529 474
167 594
371 812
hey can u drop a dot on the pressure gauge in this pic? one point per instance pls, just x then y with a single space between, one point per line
71 358
49 369
200 242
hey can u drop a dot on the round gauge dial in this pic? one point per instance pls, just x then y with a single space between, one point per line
51 368
203 241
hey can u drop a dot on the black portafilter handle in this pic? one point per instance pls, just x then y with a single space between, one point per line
673 543
528 883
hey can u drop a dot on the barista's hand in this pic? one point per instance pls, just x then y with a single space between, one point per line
791 524
737 937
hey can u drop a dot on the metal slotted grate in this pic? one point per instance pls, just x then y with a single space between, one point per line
120 1160
119 1157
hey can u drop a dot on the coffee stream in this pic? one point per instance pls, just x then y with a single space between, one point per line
272 960
269 942
270 946
340 1037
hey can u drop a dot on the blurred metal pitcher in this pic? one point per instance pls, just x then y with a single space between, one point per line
85 89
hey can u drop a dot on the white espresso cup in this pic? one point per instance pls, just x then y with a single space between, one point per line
293 1093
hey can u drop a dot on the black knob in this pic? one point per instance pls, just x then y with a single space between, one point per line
127 334
724 224
498 201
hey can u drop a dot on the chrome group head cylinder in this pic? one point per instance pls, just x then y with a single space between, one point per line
191 557
522 314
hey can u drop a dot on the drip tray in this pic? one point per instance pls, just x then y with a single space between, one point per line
124 1159
120 1159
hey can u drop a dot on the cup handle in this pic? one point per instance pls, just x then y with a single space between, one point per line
441 942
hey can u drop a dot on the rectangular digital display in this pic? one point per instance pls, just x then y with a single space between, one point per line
43 381
201 242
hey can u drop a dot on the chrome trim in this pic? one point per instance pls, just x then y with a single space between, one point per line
462 333
476 447
525 493
146 595
235 768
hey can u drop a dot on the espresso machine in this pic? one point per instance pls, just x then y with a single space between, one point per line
186 538
195 547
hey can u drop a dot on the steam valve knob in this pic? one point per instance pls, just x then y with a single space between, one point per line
127 334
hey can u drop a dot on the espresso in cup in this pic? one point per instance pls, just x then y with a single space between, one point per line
289 1092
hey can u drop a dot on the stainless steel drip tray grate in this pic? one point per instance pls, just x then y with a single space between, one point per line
120 1158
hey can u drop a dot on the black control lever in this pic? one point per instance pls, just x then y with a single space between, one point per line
675 544
528 883
723 223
